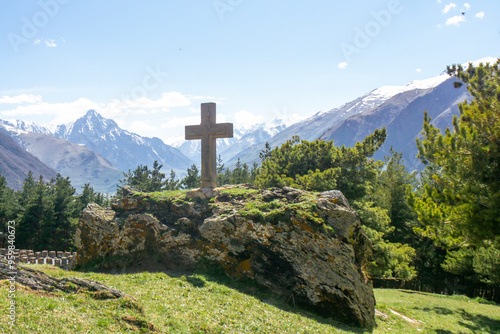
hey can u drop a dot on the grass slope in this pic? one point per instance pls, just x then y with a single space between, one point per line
176 303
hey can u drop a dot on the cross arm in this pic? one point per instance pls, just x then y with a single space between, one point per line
193 132
223 130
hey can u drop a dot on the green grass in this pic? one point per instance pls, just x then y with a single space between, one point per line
160 195
438 313
175 303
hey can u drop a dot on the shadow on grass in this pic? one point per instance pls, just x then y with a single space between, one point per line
477 323
437 310
215 274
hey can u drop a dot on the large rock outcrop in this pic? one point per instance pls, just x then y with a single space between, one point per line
307 247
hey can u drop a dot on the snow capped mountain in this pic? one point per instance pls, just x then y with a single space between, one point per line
75 161
19 127
475 63
402 116
124 149
398 106
312 127
384 93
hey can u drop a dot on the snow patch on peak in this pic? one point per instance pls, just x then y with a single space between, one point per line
9 127
475 63
92 113
386 92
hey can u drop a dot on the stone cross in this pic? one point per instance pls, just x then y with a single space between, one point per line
208 131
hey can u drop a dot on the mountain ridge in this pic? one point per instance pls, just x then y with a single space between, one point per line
124 149
16 162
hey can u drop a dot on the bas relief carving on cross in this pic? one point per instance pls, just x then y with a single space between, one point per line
208 131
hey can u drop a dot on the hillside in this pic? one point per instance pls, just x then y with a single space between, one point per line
15 163
77 162
206 303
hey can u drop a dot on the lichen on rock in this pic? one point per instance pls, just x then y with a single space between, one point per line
309 246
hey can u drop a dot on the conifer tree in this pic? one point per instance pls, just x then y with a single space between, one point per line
192 179
460 201
320 165
28 220
87 196
144 179
458 204
8 203
390 191
57 229
388 220
172 182
221 179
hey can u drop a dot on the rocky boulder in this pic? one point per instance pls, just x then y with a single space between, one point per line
306 247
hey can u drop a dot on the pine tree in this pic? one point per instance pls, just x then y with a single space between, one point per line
387 219
144 179
458 203
320 165
155 181
8 203
221 179
58 229
192 179
172 182
254 172
392 187
28 220
266 152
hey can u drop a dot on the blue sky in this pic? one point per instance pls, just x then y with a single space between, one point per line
149 64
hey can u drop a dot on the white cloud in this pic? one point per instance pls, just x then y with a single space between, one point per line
466 6
37 41
479 15
455 20
201 97
22 98
246 118
139 126
342 65
50 43
63 112
167 100
176 122
449 7
418 70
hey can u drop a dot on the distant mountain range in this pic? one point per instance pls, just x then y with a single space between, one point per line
93 149
399 108
96 150
320 123
124 149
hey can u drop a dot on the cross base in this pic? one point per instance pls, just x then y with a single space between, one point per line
202 193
